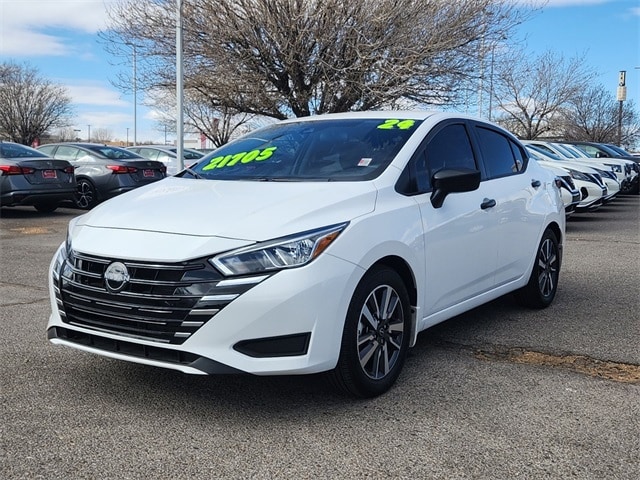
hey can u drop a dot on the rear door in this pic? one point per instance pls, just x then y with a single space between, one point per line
515 192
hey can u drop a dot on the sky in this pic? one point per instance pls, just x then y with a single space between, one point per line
59 38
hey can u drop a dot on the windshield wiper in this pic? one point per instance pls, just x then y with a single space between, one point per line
193 173
288 179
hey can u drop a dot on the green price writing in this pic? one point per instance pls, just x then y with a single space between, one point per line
241 157
394 123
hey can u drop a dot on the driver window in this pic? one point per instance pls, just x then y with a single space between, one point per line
450 148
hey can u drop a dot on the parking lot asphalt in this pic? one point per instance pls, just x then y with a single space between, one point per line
500 392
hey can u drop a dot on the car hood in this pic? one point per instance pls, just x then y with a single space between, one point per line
239 210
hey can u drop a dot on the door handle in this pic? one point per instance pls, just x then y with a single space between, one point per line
487 203
535 183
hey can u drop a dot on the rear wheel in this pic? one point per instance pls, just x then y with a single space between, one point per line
375 339
86 197
543 283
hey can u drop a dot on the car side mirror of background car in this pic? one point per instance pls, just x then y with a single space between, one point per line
451 181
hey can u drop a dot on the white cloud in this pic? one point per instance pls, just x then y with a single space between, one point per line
85 15
27 26
94 93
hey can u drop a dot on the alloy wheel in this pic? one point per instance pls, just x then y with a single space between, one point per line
380 332
547 267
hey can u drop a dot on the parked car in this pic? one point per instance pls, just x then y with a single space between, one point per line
168 155
571 196
607 153
318 244
104 171
620 167
592 189
29 177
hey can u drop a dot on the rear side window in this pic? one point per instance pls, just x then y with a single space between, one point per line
148 153
47 149
66 153
501 156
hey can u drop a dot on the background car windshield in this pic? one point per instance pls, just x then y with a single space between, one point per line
340 150
12 150
115 153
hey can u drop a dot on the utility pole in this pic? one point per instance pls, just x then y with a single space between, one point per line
622 96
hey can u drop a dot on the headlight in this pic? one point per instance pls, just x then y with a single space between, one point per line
614 167
287 252
575 174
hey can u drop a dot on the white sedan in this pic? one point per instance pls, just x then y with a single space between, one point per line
322 244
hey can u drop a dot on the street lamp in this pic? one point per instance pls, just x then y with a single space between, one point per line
88 133
127 136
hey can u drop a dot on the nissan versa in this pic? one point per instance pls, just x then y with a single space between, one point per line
322 244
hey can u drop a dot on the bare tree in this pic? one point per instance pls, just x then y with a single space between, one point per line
300 57
593 116
101 135
531 93
67 134
29 104
202 114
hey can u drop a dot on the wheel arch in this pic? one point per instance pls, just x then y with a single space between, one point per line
400 265
557 230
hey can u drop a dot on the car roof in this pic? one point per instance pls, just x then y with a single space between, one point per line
81 144
383 114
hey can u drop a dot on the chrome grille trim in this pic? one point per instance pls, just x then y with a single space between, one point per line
164 303
219 298
242 281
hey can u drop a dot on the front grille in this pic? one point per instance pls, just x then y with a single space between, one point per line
161 302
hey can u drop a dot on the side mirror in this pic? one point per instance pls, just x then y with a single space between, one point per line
452 181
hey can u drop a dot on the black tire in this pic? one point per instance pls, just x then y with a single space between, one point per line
543 282
45 207
86 197
376 334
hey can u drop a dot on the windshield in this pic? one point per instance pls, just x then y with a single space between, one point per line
323 150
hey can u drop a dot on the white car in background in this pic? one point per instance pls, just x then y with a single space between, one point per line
318 244
571 196
588 182
622 169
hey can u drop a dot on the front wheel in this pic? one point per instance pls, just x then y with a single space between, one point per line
376 334
543 282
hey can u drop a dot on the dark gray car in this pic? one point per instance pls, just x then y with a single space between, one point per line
104 171
167 154
29 177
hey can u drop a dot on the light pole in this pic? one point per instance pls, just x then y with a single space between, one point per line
127 136
135 97
622 96
88 133
179 87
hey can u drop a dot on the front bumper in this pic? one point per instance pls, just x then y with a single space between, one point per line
290 323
